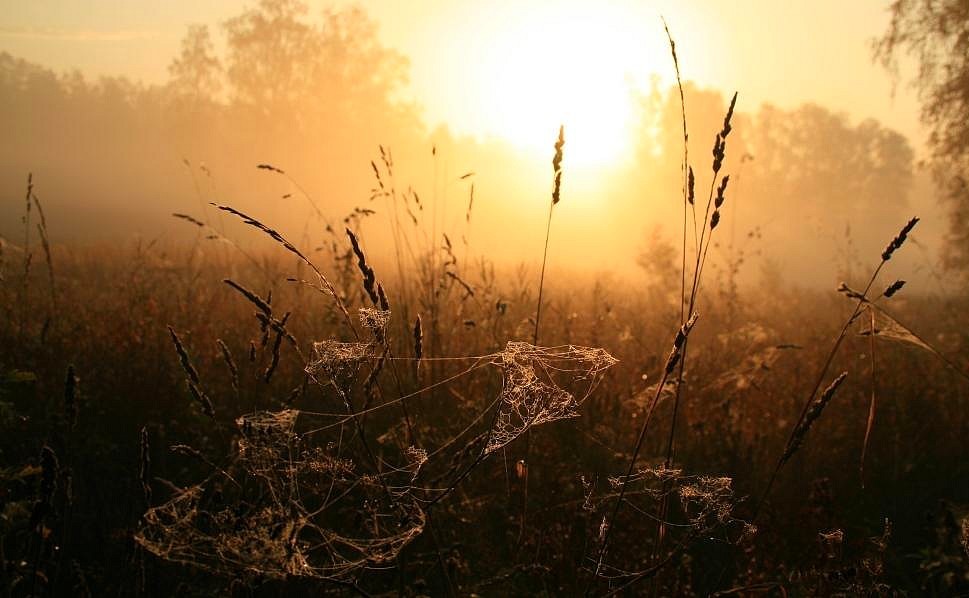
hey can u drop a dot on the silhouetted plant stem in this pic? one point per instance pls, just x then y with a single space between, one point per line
556 190
675 355
862 298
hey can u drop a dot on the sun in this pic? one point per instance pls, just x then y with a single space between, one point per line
574 66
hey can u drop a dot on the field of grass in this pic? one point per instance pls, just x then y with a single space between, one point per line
199 419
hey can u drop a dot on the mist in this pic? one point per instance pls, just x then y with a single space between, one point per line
319 97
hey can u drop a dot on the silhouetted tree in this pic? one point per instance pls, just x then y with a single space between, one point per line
357 67
270 53
815 164
314 95
936 33
196 71
303 77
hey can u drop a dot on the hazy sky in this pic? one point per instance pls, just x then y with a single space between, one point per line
514 68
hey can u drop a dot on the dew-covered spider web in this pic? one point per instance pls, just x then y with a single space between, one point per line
698 507
299 498
288 508
529 394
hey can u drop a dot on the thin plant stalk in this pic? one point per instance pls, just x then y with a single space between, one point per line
556 196
862 297
675 356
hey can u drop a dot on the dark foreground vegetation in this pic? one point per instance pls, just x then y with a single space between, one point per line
170 428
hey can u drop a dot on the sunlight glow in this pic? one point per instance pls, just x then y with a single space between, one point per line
569 65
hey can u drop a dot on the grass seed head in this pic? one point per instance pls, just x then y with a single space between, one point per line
894 288
721 189
263 305
190 371
382 297
899 239
418 339
726 120
369 279
691 187
812 415
557 165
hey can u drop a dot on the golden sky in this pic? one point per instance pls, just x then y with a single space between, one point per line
515 69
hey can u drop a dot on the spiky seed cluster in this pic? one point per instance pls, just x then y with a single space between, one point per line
691 187
718 201
714 219
387 158
726 119
189 219
557 165
267 323
229 363
894 288
369 279
202 399
376 172
190 371
812 414
719 149
253 298
418 342
720 143
191 375
274 362
270 168
30 190
899 239
279 238
382 298
850 292
678 341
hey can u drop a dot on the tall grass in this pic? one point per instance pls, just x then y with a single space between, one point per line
362 421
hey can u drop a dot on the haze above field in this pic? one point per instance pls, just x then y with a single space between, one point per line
472 63
485 85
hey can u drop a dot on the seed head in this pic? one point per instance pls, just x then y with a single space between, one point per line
899 239
894 288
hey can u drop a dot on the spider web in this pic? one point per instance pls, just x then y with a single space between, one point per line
530 395
292 503
263 522
336 361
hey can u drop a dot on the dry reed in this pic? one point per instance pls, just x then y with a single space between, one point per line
191 375
230 364
369 278
279 238
811 416
274 361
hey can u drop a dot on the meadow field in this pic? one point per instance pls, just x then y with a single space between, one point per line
264 332
197 418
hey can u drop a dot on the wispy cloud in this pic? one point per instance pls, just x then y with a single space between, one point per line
75 35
